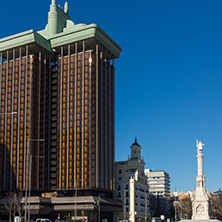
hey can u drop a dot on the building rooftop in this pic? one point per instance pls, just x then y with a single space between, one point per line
59 31
136 143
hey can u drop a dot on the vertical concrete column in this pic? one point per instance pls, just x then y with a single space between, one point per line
18 131
6 124
97 116
83 114
132 199
68 119
49 122
110 148
113 116
44 123
26 103
90 119
106 122
75 115
61 119
39 114
12 120
102 132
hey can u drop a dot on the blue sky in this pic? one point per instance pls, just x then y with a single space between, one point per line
168 77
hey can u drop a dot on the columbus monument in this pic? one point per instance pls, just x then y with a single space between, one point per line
200 199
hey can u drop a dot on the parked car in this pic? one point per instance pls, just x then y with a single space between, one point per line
125 221
43 220
18 219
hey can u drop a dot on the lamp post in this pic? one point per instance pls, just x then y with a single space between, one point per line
26 174
99 209
30 176
76 195
124 203
175 200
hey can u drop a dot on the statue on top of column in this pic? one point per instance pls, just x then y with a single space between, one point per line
199 145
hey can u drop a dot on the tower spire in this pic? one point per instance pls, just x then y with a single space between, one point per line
52 19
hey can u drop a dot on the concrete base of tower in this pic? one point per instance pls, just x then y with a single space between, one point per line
89 208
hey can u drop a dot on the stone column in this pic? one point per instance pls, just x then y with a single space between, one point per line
132 200
200 163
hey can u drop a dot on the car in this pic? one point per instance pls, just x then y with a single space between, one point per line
18 219
125 221
43 220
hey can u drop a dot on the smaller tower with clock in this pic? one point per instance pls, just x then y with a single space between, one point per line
135 150
131 179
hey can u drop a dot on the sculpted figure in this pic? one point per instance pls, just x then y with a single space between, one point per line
199 146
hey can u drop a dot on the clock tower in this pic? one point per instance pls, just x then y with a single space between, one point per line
131 178
135 150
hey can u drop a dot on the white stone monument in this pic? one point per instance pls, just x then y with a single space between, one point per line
200 199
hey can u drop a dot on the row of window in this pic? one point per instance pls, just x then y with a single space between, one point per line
127 187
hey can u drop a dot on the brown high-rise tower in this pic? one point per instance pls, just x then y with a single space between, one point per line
57 109
57 105
85 111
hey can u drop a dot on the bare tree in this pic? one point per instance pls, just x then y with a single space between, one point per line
159 206
11 204
8 205
186 206
18 203
215 206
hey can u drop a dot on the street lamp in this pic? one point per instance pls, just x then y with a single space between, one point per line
181 205
175 202
76 195
26 174
99 209
30 175
124 203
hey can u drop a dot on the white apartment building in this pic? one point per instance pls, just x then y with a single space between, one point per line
131 187
159 182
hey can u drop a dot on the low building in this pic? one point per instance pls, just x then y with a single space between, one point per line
159 182
131 187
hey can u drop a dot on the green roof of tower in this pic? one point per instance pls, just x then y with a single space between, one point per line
59 31
24 38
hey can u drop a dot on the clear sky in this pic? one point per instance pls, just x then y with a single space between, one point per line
168 77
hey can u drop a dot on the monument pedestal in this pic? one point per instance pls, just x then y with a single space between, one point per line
200 204
204 220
